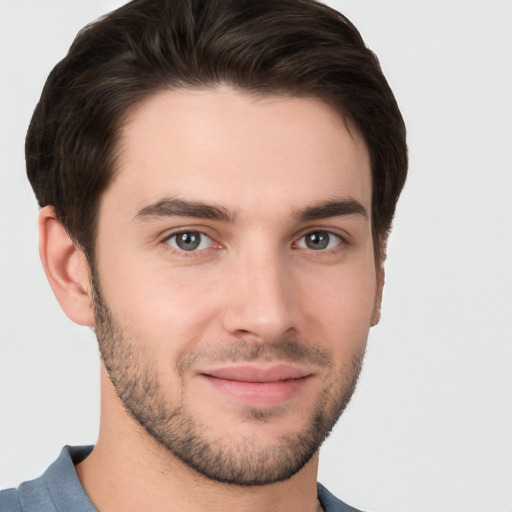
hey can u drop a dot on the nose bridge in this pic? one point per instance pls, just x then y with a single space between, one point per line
260 305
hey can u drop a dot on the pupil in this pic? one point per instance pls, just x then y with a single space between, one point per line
188 241
318 240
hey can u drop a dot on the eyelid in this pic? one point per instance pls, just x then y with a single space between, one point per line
173 234
186 228
339 239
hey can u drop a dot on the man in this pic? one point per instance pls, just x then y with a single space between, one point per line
217 182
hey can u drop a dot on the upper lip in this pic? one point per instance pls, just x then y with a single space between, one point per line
251 373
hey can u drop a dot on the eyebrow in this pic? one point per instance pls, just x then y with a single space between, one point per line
327 209
173 207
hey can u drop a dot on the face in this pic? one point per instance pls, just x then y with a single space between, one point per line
235 282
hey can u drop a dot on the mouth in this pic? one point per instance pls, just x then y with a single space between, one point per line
258 386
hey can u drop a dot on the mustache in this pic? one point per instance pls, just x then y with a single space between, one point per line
243 351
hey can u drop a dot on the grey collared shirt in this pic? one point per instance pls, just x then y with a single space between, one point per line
60 490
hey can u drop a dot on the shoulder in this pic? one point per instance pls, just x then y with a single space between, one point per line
9 501
29 496
330 503
57 489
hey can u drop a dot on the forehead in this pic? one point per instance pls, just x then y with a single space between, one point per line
238 150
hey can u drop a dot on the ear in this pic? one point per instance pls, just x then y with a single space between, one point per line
380 278
66 268
378 295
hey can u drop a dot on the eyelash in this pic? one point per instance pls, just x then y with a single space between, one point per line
190 232
321 233
196 251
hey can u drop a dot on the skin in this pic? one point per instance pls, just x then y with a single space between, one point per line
252 285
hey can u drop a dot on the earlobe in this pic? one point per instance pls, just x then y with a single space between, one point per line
66 268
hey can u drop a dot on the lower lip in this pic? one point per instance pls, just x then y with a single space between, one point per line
259 394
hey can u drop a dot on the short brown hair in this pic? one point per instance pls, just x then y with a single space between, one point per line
297 47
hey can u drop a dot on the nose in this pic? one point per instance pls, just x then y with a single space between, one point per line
261 304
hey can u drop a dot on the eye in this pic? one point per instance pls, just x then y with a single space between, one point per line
319 241
189 241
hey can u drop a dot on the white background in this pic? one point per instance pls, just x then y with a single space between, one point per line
430 427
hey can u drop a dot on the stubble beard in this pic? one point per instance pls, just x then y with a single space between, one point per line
238 461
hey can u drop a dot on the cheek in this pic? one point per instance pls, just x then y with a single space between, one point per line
164 307
341 304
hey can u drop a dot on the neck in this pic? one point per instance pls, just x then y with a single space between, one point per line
128 470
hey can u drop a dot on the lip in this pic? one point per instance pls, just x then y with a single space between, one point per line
249 373
257 386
